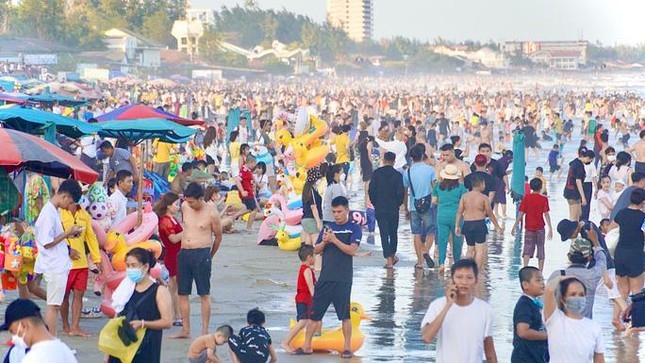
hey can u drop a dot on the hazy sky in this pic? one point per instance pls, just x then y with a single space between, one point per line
610 21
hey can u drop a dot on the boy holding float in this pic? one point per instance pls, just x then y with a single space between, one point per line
304 294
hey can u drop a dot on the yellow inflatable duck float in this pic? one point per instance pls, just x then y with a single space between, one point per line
332 339
116 244
286 243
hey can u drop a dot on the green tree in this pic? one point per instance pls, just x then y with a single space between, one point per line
41 18
157 27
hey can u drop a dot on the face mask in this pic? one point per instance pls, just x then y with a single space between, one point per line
576 304
19 341
611 158
135 274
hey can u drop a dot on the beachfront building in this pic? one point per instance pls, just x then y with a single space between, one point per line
188 33
567 55
206 16
134 49
485 56
352 16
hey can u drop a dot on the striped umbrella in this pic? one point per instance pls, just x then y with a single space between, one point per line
24 151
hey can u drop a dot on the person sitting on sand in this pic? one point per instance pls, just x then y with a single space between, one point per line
212 196
202 349
253 344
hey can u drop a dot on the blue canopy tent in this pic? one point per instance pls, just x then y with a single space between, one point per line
134 131
34 121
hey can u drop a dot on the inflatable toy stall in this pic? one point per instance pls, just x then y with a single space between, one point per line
303 151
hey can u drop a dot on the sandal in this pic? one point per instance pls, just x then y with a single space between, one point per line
428 259
299 351
346 354
418 267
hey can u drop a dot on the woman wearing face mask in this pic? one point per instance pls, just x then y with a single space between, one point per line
153 313
572 337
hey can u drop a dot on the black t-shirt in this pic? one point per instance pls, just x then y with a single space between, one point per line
337 265
488 180
306 205
576 171
528 351
630 222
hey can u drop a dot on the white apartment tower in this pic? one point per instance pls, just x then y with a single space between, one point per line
353 16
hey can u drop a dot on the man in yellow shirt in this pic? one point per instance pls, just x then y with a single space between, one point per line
79 274
161 159
341 141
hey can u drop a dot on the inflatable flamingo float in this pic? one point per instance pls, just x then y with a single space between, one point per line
290 217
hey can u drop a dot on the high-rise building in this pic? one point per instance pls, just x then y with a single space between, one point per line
353 16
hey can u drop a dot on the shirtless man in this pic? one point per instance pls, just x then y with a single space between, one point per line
638 150
448 157
199 243
474 206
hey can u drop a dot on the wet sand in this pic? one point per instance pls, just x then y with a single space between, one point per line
244 276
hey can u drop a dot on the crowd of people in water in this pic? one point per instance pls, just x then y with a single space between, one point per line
434 153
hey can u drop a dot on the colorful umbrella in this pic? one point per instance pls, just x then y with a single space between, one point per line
50 98
20 150
137 130
34 121
140 112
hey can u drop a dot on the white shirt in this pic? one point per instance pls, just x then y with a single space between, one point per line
590 173
573 340
50 351
88 145
48 227
461 336
117 206
398 148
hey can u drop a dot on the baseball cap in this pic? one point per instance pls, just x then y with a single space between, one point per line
19 309
480 159
566 228
581 245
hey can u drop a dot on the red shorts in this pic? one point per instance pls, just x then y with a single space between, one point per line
77 280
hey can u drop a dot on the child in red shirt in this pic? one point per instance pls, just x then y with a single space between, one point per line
304 294
245 186
534 205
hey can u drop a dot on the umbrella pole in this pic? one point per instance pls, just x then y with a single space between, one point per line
140 188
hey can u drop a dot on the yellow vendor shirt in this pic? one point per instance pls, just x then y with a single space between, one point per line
164 150
342 148
82 218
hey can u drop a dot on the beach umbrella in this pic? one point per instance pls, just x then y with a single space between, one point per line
137 130
50 98
13 98
24 151
145 112
34 121
519 166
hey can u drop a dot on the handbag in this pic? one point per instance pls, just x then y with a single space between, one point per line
118 338
111 343
422 205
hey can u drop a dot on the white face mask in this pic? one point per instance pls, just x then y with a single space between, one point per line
18 341
611 158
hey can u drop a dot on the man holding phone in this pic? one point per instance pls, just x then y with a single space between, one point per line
448 316
338 243
54 254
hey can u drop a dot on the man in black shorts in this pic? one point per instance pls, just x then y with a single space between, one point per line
200 241
338 244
